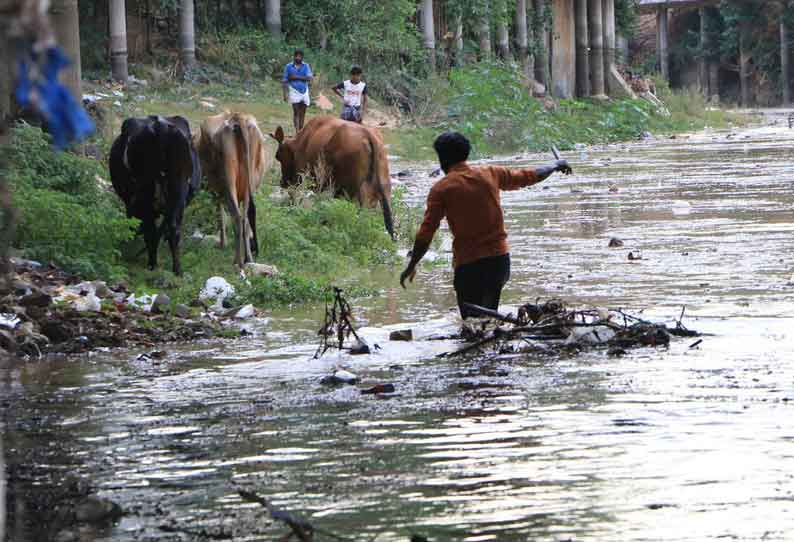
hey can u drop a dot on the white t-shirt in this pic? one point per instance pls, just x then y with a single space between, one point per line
353 93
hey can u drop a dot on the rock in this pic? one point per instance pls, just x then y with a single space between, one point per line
615 243
67 536
161 304
21 262
379 388
7 341
182 311
402 335
101 289
36 299
244 312
22 288
216 290
635 255
616 352
436 172
338 378
260 270
360 348
207 105
613 189
405 173
96 510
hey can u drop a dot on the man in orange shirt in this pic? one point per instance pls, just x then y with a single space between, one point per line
470 200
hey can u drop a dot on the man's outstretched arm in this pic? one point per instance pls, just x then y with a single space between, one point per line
434 213
515 179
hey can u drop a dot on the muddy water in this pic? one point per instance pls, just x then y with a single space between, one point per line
676 444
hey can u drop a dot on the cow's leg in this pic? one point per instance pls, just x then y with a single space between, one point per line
252 225
174 237
234 213
222 220
246 228
151 236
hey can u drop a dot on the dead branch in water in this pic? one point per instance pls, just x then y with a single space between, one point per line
560 327
337 323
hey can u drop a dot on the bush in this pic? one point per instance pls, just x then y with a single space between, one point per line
65 215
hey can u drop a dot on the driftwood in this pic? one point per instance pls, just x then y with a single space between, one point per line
337 324
555 325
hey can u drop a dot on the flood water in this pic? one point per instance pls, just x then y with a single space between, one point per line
662 444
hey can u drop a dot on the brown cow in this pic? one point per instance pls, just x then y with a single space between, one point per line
234 158
352 155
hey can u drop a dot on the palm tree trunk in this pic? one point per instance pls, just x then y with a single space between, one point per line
522 37
66 22
484 32
428 31
273 17
503 40
118 40
187 33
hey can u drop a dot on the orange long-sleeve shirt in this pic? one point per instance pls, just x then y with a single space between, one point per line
469 198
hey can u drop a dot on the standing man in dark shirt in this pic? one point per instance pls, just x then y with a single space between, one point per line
297 76
469 198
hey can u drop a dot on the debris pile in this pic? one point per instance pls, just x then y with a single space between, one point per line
551 326
46 310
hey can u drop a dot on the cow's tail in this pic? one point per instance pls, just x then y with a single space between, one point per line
377 183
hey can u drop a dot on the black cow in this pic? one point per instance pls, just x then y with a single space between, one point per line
155 171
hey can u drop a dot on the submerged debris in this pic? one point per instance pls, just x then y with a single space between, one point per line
338 325
552 325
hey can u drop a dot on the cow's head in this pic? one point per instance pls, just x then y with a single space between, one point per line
286 157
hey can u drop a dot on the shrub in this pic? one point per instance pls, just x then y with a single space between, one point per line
65 214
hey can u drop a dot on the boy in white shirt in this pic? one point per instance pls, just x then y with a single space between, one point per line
354 96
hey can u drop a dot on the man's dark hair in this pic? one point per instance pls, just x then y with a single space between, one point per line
356 70
297 52
452 148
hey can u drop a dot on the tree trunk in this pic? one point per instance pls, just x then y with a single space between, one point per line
703 66
596 34
582 50
503 40
428 31
6 69
608 13
66 22
484 32
273 17
542 41
744 66
522 36
459 40
118 41
662 39
187 34
784 62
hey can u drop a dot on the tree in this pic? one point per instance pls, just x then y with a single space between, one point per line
428 31
118 40
484 29
187 33
66 22
273 17
522 36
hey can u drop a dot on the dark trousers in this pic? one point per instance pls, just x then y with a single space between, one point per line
481 282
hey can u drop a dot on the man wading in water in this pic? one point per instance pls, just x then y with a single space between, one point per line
297 76
469 199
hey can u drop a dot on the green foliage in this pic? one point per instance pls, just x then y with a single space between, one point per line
492 107
65 216
626 17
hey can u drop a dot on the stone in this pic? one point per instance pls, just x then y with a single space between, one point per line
96 510
402 335
7 341
88 303
338 378
360 348
101 289
635 255
161 304
36 299
253 269
379 388
182 311
615 243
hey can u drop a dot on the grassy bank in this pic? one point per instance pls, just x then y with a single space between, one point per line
68 215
